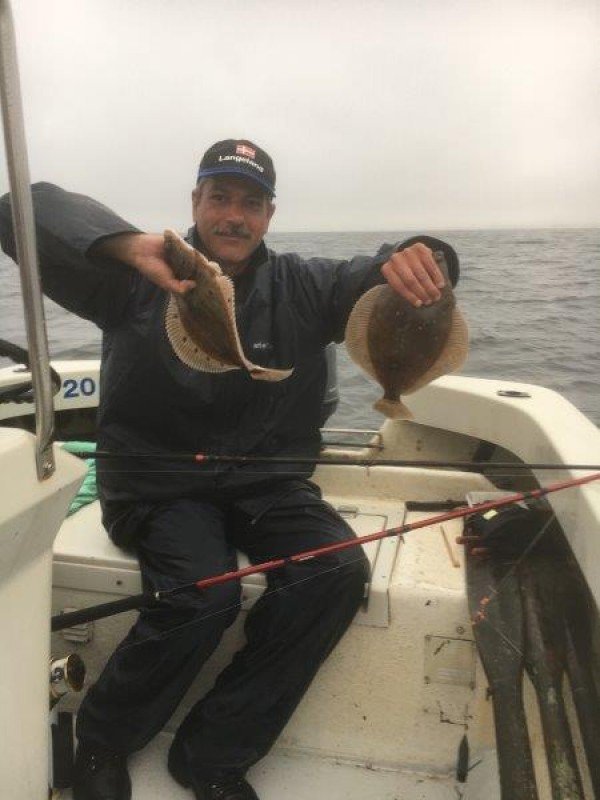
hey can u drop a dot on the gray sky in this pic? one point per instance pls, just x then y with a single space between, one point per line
388 115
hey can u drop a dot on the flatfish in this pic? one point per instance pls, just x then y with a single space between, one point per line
201 324
404 347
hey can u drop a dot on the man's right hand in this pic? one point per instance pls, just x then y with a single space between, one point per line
144 252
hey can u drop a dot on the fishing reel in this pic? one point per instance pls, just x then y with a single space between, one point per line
66 675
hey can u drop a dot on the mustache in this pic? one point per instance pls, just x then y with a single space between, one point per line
239 231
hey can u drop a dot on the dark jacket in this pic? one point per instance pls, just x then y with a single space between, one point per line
288 309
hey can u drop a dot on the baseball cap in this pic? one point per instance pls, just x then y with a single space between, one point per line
239 157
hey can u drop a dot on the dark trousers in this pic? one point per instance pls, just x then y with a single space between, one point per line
289 631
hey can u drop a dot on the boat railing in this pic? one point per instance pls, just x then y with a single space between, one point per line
352 438
24 229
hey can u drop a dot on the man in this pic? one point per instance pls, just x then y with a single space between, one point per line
186 524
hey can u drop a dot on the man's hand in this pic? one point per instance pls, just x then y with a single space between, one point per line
414 275
144 252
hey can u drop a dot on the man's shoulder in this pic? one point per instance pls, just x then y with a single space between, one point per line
284 259
286 266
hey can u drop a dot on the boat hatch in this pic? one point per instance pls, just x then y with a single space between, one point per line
86 560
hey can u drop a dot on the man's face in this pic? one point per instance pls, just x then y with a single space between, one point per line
232 215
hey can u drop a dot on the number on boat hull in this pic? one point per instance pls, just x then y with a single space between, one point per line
73 388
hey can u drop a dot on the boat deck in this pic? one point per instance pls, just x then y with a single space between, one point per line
385 717
387 713
293 777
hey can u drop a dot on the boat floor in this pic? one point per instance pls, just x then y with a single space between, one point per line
293 777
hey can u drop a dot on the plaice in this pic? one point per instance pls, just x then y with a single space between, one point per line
404 347
201 324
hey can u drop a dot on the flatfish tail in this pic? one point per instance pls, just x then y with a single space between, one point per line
394 409
201 324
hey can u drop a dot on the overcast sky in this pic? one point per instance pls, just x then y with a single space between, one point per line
398 114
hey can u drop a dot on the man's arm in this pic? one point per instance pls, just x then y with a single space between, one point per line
405 273
145 253
408 267
68 227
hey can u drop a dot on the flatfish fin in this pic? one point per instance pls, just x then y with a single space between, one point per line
266 374
201 324
186 349
357 345
357 327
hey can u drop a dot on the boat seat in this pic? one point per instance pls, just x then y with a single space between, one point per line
85 559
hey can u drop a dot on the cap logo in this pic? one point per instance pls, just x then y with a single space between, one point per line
244 150
238 157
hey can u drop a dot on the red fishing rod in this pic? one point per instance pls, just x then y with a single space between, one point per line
147 600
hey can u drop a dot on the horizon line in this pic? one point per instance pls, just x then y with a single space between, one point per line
437 228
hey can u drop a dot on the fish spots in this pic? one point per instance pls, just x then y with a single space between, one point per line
403 347
201 325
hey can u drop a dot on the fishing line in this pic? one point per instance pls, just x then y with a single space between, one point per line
525 553
274 591
494 594
343 545
503 636
267 594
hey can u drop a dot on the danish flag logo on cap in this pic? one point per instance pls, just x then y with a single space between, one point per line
245 150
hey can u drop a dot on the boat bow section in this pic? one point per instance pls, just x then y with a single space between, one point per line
536 425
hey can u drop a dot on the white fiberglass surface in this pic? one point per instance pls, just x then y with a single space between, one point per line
296 777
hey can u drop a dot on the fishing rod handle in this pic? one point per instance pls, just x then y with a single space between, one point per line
62 621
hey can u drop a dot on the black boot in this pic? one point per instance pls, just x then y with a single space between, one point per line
100 774
230 787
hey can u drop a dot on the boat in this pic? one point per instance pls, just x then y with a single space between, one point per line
389 710
451 682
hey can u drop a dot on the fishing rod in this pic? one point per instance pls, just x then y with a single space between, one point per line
146 600
214 458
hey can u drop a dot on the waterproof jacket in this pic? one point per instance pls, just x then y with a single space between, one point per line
287 308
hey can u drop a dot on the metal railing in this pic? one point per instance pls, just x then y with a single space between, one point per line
24 228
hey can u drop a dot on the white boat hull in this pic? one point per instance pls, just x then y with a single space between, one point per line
386 714
30 516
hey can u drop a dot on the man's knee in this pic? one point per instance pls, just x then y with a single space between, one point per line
354 570
224 601
219 604
345 572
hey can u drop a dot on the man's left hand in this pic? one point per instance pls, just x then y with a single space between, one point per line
414 274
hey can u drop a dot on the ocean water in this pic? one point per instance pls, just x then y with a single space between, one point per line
531 299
